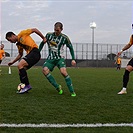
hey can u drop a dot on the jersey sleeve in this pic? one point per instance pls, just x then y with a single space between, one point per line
41 45
25 32
69 45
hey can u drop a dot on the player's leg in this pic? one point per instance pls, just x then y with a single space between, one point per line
128 69
118 67
61 65
22 72
47 67
0 66
27 62
23 76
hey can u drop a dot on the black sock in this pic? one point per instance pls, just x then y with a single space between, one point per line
23 76
126 78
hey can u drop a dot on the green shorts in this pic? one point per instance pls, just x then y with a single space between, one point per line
50 64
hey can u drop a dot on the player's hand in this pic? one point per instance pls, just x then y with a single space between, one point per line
73 63
44 40
119 53
10 63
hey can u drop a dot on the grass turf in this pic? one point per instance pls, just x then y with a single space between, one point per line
96 101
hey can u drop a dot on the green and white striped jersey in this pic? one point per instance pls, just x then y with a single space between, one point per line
56 45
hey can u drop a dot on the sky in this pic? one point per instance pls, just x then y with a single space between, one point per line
113 18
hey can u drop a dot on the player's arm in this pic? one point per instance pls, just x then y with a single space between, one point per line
20 49
127 46
69 45
35 30
115 62
16 59
41 45
43 42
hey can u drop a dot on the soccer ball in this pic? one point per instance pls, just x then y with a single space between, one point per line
20 86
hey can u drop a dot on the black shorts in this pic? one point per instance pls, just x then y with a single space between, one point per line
118 65
32 58
130 62
0 61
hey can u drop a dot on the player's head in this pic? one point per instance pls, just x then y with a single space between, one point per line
1 46
11 37
58 27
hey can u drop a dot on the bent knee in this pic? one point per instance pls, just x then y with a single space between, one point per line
64 73
20 66
129 68
45 70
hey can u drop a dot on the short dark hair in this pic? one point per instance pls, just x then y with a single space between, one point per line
9 34
59 24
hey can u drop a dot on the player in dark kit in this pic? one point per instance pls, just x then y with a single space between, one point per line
25 42
128 69
56 41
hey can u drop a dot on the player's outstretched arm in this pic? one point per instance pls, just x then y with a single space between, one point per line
15 60
41 45
125 48
35 30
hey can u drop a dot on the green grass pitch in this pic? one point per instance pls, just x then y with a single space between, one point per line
96 101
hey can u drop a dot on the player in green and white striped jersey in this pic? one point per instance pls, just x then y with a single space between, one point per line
56 41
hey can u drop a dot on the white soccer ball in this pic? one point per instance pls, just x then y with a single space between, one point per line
20 86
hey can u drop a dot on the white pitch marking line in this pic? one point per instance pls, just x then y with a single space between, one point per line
44 125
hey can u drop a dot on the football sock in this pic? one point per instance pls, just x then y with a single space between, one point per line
69 83
23 76
52 80
124 89
125 78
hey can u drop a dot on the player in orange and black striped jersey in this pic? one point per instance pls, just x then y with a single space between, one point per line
24 42
2 53
118 63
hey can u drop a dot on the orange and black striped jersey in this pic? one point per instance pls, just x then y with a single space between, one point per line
25 42
118 61
2 52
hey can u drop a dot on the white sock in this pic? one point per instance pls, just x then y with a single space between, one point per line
124 89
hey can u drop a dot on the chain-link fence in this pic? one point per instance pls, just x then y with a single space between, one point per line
103 55
83 51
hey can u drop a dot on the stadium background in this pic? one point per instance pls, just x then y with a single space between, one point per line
104 55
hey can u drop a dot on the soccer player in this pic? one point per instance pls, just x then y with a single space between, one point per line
2 53
56 41
118 63
128 69
24 42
